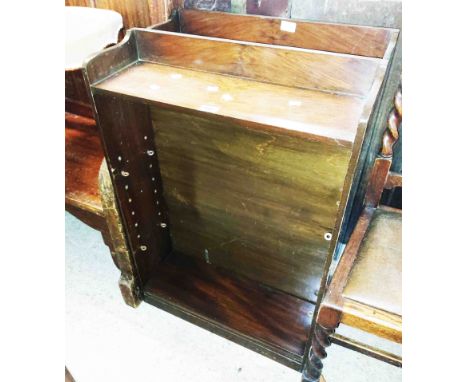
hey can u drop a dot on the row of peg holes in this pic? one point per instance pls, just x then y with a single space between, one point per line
126 174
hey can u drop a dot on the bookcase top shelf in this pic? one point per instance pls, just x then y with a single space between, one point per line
317 94
309 112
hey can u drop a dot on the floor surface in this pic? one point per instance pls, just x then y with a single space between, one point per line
107 341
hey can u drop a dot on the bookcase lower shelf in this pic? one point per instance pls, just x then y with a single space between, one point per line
268 321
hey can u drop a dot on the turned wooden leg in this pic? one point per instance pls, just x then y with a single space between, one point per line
313 367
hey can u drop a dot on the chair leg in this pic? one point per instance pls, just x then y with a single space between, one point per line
313 367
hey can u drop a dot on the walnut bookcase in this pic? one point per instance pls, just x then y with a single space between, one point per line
232 163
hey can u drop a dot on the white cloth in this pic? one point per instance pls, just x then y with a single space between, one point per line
87 31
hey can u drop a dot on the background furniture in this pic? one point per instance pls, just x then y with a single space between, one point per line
135 13
365 291
87 194
87 31
231 208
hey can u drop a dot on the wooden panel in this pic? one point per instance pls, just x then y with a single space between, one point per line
132 160
77 100
235 305
286 66
111 60
338 38
253 201
309 114
171 25
83 157
138 13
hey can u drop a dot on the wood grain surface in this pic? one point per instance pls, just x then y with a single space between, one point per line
77 99
131 156
292 67
83 157
340 38
372 320
312 115
275 319
255 202
135 13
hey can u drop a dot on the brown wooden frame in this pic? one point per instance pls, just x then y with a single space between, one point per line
335 308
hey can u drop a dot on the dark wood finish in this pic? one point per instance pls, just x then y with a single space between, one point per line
289 67
83 157
77 100
310 115
170 25
223 132
268 260
237 220
256 316
312 371
378 121
132 159
339 38
360 295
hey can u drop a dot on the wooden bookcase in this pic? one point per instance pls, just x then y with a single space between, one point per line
232 143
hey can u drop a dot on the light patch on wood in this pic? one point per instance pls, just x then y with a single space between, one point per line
288 26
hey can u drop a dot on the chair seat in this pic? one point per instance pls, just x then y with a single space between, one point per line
375 279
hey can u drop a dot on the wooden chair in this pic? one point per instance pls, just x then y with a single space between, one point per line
365 290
